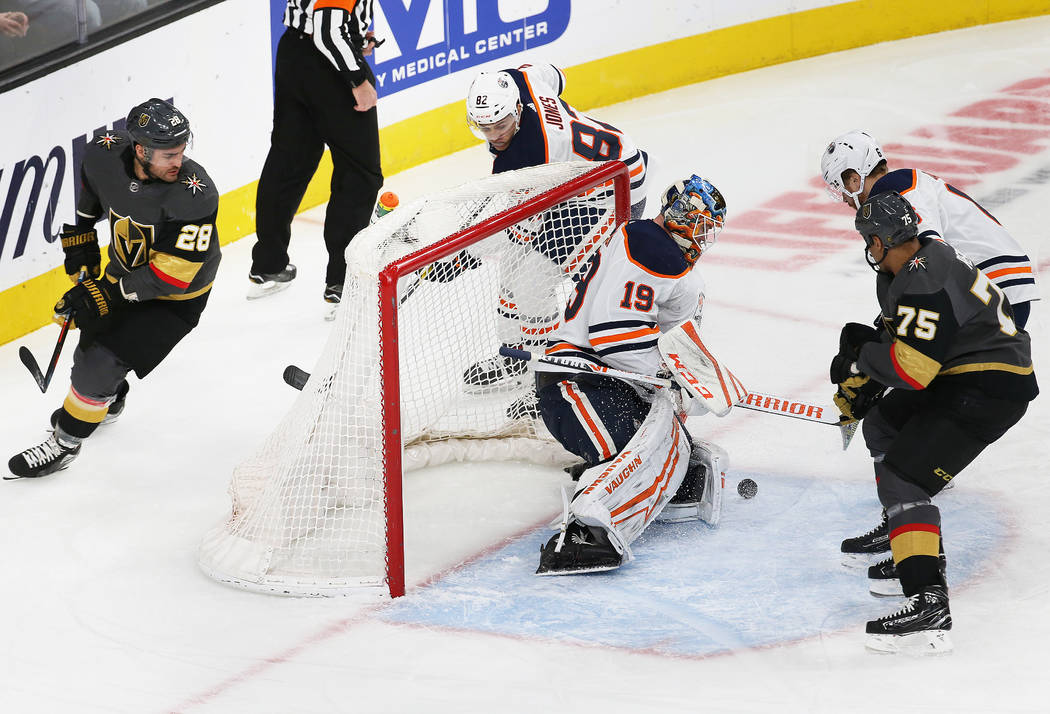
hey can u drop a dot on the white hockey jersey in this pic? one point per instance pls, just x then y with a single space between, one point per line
551 131
632 289
947 213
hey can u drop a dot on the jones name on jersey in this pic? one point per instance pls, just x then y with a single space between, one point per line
552 131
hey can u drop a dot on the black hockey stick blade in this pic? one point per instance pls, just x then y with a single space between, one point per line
43 380
34 369
295 377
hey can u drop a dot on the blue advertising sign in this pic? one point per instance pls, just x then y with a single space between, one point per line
471 33
466 41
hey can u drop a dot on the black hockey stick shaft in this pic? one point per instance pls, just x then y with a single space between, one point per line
43 380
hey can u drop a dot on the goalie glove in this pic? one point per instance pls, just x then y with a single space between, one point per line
82 252
856 396
91 303
445 271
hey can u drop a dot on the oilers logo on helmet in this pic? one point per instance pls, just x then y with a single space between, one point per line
493 98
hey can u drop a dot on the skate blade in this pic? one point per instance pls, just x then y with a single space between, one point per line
578 571
679 513
261 290
885 588
9 476
919 644
862 561
330 311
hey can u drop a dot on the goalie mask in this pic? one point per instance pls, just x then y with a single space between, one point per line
493 105
855 150
157 124
889 217
694 212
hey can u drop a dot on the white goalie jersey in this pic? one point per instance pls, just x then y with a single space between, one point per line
635 287
947 213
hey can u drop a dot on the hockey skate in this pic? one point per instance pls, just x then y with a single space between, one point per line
883 580
700 495
865 550
685 504
263 284
53 455
494 374
578 549
333 295
920 627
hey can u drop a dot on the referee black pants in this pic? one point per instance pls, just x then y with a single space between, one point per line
314 106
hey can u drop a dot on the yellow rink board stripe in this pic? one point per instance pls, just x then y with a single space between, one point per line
598 83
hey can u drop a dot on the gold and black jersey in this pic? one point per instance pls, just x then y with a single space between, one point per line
945 319
163 239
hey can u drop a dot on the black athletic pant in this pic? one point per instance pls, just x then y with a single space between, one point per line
314 106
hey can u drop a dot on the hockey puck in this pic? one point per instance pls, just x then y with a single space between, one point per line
747 488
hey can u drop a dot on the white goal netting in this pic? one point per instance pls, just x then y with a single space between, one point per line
411 375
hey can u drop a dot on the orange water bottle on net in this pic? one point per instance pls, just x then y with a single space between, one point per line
386 203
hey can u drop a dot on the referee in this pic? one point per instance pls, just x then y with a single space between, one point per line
324 94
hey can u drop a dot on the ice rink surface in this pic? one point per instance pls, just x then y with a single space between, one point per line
105 610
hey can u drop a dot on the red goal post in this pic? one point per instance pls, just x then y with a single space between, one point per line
318 510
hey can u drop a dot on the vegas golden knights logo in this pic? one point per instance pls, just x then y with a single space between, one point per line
131 240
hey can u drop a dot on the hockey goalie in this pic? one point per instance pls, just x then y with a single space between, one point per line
640 462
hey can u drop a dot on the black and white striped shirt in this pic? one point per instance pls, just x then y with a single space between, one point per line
338 30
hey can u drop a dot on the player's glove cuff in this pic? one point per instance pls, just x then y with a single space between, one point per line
82 252
857 396
93 303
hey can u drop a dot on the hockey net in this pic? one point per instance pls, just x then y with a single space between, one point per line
432 291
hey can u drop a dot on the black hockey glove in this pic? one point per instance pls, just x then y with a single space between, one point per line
856 396
91 303
853 336
445 271
82 253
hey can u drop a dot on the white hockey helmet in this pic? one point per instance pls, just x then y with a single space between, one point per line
855 150
493 96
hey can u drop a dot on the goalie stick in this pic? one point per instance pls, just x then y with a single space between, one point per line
755 401
705 378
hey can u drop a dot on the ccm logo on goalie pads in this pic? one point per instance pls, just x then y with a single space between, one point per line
697 369
689 377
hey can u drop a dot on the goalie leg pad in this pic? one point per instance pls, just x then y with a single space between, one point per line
628 493
592 416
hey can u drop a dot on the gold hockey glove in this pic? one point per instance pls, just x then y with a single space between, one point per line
856 396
